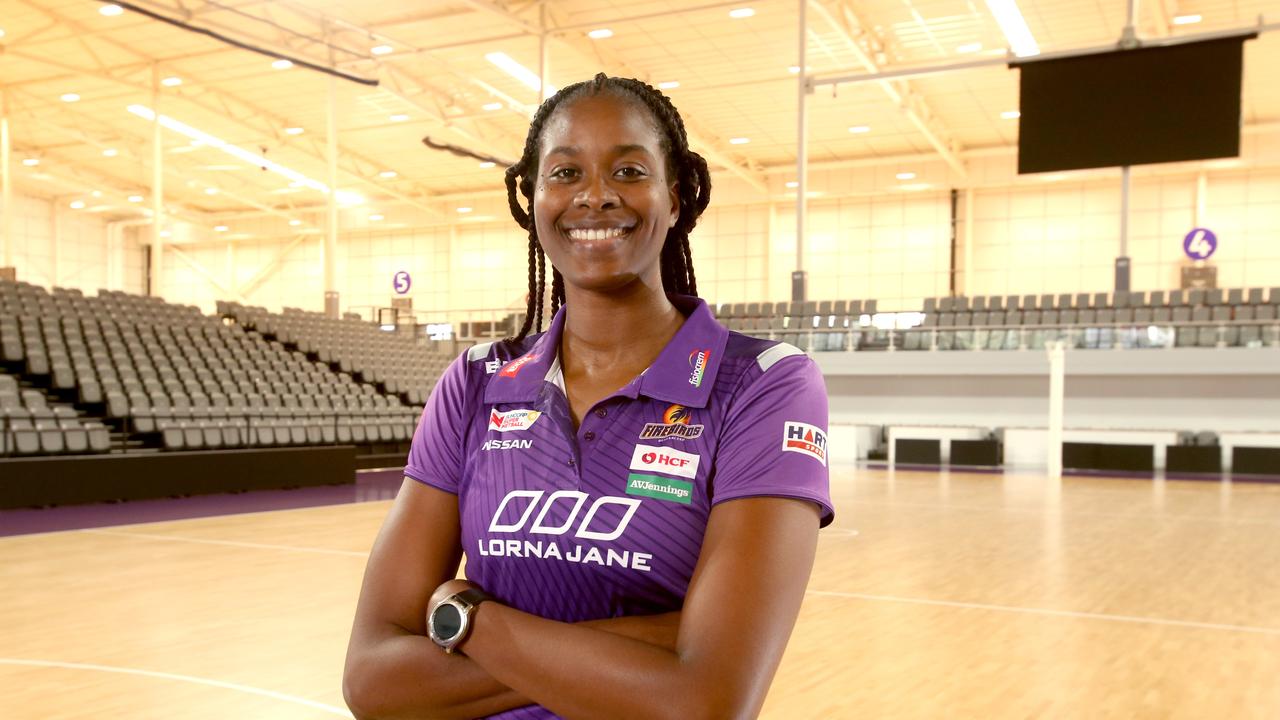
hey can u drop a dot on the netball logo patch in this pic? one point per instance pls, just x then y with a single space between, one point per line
805 439
513 420
675 424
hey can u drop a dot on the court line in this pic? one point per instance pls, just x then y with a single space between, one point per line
1069 513
1046 611
330 709
232 543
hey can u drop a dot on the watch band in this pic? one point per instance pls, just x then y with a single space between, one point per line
464 603
472 596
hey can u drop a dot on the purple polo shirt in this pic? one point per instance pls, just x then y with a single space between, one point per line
608 520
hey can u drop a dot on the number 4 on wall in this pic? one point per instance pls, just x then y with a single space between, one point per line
1200 243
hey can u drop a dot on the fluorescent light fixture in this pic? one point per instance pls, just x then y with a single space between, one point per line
376 218
1014 27
1187 19
600 34
388 174
793 69
111 10
486 165
464 210
282 64
739 141
77 204
171 81
739 13
1011 114
382 50
31 162
110 152
211 191
135 198
295 223
972 47
96 193
527 77
492 106
221 228
859 129
293 131
399 117
346 197
1 32
668 85
793 184
906 176
70 97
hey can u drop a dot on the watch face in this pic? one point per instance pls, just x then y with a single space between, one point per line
447 620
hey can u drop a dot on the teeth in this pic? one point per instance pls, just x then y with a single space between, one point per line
600 234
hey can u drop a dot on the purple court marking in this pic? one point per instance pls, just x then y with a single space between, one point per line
370 486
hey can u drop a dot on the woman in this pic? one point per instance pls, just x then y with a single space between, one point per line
637 491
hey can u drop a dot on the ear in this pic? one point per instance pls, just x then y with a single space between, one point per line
674 191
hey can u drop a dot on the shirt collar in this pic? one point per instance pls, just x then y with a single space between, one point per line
684 372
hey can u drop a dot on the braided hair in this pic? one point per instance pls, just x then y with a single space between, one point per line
687 168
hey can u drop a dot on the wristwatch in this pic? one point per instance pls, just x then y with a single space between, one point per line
450 620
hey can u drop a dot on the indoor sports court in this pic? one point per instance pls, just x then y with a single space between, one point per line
1033 246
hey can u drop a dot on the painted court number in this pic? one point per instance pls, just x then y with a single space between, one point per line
1200 243
401 282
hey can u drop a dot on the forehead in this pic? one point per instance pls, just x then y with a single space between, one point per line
601 122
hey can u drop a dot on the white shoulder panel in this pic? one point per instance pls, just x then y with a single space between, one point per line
767 358
479 352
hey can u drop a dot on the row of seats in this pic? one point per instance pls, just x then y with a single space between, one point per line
29 424
275 431
795 308
1121 299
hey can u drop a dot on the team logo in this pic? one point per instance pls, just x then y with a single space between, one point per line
513 420
660 488
698 361
506 445
512 368
534 524
668 461
805 439
675 424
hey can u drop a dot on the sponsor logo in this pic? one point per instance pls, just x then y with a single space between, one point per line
492 366
506 445
675 424
660 488
668 461
805 439
561 515
698 361
512 420
512 368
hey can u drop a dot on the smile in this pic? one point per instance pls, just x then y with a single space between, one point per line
589 234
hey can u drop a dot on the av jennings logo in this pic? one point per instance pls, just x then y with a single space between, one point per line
675 424
557 517
698 361
649 459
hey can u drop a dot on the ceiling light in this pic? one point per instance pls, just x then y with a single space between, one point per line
1014 27
492 106
31 162
221 228
295 223
111 10
282 64
859 129
793 69
906 176
1187 19
171 81
668 85
135 198
211 191
382 50
600 34
739 141
398 117
464 210
526 76
96 193
1 32
77 204
70 97
969 47
165 234
793 184
1011 114
253 159
487 164
741 13
375 218
388 174
293 131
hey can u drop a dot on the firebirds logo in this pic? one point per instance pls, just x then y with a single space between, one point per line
698 361
513 420
512 368
805 439
675 424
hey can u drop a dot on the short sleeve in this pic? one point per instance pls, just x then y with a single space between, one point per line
435 457
774 438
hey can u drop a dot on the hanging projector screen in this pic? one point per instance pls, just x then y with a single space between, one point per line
1131 107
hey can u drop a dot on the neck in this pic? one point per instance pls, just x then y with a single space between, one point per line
620 331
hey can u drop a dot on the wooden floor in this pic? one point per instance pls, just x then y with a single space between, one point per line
934 596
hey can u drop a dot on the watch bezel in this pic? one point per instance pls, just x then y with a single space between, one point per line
450 644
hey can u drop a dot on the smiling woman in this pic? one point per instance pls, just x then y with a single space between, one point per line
637 491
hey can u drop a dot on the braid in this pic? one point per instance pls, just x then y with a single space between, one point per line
686 168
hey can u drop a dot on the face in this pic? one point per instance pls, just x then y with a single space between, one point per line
602 200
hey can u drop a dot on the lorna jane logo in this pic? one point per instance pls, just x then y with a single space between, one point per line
560 514
698 361
805 439
512 368
668 461
513 420
675 424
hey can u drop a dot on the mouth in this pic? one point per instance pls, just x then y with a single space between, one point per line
596 234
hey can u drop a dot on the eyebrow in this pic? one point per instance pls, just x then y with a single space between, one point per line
618 149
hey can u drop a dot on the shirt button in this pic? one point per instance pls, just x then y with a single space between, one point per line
589 435
570 462
601 412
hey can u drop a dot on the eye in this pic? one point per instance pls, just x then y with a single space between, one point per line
563 173
630 172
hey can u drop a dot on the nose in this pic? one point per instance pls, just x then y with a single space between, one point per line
596 193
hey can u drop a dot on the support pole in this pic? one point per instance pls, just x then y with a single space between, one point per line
55 243
798 289
331 231
1122 260
544 55
1202 199
1057 376
157 189
968 242
6 179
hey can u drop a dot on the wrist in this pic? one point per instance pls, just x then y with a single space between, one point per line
451 614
